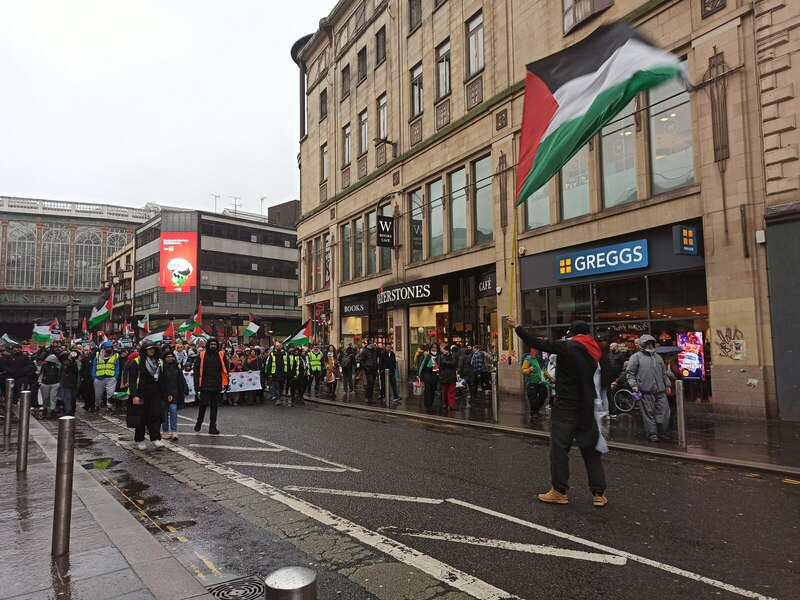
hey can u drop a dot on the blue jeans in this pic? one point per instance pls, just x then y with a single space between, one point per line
169 421
277 388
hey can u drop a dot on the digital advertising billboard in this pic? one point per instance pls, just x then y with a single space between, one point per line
178 264
691 361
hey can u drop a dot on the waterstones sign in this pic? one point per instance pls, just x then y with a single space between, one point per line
605 259
418 292
355 307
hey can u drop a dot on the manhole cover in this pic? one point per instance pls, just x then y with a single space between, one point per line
246 588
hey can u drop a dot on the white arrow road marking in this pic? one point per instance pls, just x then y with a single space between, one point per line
506 545
633 557
299 453
354 494
237 463
250 448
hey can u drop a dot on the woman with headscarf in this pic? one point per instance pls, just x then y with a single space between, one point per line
146 383
429 373
331 371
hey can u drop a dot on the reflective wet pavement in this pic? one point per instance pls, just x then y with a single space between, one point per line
100 563
707 435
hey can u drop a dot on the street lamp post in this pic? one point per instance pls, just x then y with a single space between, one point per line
262 205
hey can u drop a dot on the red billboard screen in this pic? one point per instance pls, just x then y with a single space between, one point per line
178 265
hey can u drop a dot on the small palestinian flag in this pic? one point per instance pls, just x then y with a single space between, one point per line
84 328
55 330
145 324
8 341
252 328
571 95
196 320
127 330
198 335
102 309
43 330
167 331
300 337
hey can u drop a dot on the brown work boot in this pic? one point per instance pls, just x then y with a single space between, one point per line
599 500
553 497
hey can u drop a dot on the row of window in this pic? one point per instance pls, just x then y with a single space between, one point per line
247 265
475 64
148 235
360 252
147 266
247 298
58 255
451 213
318 262
145 300
248 234
671 164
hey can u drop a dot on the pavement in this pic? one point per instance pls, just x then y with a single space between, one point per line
111 554
749 443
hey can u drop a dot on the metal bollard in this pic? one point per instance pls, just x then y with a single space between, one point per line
22 433
495 409
62 510
681 417
387 390
9 407
291 583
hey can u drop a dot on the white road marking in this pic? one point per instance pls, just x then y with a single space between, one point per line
187 418
633 557
208 434
506 545
250 448
354 494
299 453
237 463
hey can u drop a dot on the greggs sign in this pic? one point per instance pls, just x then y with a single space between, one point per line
606 259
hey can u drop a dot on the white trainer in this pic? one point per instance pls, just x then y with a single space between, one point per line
141 446
158 444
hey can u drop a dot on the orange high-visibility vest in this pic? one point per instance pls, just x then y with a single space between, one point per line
221 362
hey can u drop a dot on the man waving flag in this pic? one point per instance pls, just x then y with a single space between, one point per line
571 95
101 311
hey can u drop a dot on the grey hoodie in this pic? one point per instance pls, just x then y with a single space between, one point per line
647 371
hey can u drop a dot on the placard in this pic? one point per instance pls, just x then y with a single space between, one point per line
244 381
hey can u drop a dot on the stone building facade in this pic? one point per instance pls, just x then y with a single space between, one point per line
413 110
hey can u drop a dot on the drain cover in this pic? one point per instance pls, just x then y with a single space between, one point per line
246 588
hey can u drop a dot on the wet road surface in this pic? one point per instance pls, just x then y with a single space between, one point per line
455 503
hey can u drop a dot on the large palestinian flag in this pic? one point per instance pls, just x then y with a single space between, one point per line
571 95
43 330
300 337
101 311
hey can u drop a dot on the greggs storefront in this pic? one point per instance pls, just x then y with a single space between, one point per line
651 281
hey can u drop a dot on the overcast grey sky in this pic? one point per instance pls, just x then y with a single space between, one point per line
130 101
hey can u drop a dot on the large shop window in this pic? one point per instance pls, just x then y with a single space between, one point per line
619 159
484 209
457 185
346 241
415 231
621 299
570 303
436 217
575 186
671 154
537 208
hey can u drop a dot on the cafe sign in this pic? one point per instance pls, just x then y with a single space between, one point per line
487 284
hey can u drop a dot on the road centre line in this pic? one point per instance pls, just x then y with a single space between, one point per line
237 463
187 418
217 435
633 557
610 559
300 453
250 448
354 494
